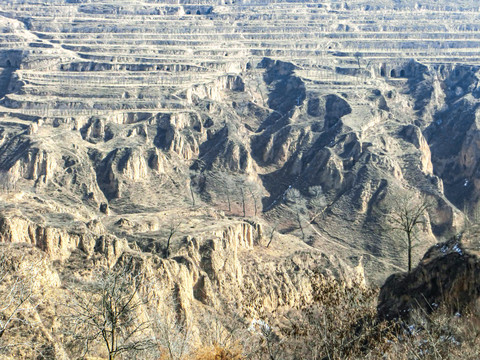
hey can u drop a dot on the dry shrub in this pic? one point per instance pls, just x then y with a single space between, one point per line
343 324
439 335
217 352
340 324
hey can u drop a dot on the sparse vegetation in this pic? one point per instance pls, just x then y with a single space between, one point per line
317 204
112 314
18 300
107 310
272 232
172 333
296 202
217 352
342 324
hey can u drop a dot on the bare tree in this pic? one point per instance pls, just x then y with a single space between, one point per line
272 233
358 56
247 187
195 185
229 185
255 193
107 310
407 214
172 332
317 204
18 279
266 340
192 194
244 206
221 322
296 202
172 230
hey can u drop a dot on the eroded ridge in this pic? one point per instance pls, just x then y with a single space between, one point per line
130 111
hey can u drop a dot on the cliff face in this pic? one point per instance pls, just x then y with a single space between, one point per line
228 265
59 242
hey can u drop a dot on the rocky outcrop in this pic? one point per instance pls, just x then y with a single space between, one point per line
276 148
174 134
224 150
286 92
268 127
448 275
131 164
335 108
413 134
232 128
214 89
35 164
455 122
217 119
224 266
59 242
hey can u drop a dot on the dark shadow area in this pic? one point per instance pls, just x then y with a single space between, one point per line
5 78
287 91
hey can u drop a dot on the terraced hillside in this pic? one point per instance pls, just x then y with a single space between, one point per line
237 151
303 118
89 58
